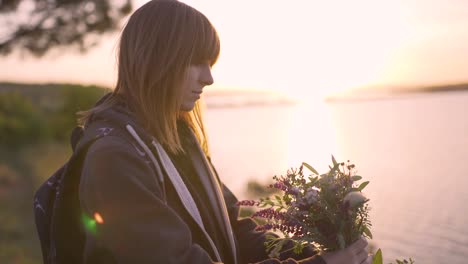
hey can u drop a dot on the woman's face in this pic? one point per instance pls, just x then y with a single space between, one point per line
198 76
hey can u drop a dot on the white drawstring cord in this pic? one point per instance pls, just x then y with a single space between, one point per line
178 183
153 159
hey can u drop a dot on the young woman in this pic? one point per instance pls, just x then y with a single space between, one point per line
148 181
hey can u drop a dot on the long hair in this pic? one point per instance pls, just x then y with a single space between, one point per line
159 42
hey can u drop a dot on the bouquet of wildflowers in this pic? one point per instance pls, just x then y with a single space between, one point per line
327 210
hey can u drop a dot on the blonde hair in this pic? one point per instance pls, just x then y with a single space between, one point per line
159 42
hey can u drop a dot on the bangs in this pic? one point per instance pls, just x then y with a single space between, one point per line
206 44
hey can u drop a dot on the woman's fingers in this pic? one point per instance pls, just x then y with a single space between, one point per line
362 256
356 253
368 260
358 246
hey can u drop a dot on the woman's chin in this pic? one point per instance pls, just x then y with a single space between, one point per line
187 107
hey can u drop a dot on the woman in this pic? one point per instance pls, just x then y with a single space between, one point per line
148 181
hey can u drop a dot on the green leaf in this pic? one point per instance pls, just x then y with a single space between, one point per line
310 168
356 178
298 247
275 252
367 232
378 257
341 241
334 161
363 185
334 169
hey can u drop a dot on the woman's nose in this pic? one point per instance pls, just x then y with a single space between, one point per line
206 77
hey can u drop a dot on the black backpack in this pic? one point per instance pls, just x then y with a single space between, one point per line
57 208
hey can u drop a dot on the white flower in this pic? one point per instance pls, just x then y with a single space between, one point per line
354 199
311 196
294 190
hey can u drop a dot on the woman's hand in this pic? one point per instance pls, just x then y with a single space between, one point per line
356 253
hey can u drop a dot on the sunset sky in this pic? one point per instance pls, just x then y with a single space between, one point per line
301 47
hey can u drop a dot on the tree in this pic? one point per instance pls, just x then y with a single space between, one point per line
39 25
20 121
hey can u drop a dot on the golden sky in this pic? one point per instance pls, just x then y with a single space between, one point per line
301 47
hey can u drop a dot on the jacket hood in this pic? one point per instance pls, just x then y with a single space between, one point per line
117 117
118 114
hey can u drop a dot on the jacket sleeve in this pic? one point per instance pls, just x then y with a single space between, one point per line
128 221
251 242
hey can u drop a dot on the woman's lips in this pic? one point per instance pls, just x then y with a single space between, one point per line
197 94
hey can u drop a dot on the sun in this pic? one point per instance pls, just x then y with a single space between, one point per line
307 49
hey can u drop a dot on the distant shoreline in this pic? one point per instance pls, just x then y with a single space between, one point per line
367 94
443 88
244 98
52 92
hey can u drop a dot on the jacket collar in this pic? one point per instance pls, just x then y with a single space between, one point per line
213 189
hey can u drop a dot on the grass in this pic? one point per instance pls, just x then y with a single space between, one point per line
21 173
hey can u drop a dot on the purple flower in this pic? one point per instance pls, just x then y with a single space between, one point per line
269 213
293 190
247 203
264 227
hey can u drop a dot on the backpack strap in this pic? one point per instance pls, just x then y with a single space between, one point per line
44 199
67 236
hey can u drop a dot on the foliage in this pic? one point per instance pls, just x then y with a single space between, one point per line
410 261
21 173
20 122
37 26
378 259
256 189
74 98
325 210
30 116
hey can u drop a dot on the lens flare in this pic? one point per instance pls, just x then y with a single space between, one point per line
98 218
89 224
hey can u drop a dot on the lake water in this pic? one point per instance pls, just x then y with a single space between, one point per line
413 149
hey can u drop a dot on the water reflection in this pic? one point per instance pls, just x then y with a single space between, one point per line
412 149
